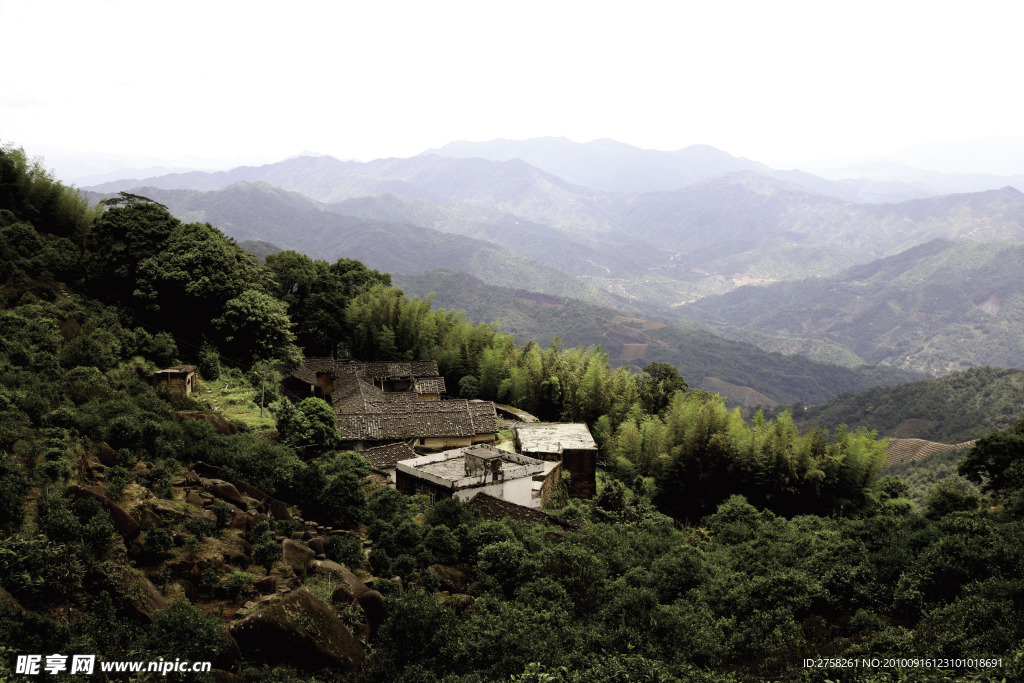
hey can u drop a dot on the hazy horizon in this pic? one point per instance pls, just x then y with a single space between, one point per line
787 84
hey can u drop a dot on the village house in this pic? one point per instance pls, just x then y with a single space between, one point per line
385 402
179 379
464 472
568 443
384 459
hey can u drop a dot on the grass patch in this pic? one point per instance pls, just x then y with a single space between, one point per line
235 400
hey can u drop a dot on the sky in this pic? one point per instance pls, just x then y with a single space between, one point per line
219 83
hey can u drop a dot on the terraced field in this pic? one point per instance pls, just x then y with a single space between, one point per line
913 450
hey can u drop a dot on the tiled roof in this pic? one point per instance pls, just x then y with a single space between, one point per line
496 509
485 419
386 369
387 456
311 366
409 420
429 385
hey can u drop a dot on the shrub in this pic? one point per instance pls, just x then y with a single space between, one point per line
346 549
266 552
13 487
199 527
236 585
182 630
222 512
157 542
117 480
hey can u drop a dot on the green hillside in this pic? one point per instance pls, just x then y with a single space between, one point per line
938 307
958 407
696 352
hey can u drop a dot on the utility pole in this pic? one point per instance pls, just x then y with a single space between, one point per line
263 390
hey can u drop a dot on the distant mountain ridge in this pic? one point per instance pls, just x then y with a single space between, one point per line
741 372
937 307
289 220
661 248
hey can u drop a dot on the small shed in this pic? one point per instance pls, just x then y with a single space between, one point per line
179 380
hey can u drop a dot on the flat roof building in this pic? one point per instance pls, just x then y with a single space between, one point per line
464 472
569 443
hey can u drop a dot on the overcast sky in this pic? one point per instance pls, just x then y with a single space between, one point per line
777 81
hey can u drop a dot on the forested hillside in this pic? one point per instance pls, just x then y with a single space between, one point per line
757 377
958 407
938 307
140 525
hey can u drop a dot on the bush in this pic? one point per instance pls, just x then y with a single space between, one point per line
345 549
182 630
157 542
381 562
117 479
199 527
13 487
222 512
236 585
266 552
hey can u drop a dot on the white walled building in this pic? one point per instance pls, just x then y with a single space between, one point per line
464 472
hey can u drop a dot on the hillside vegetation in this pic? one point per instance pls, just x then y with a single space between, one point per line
751 372
938 307
959 407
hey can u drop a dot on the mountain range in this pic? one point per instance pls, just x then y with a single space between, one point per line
663 237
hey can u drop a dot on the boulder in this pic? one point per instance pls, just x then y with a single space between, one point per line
251 491
167 509
231 554
220 423
207 470
146 600
239 543
229 493
148 519
107 455
124 523
9 606
453 579
299 631
267 585
375 609
193 479
240 520
278 510
351 588
190 590
297 556
316 544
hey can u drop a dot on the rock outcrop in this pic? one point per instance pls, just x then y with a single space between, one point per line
299 631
